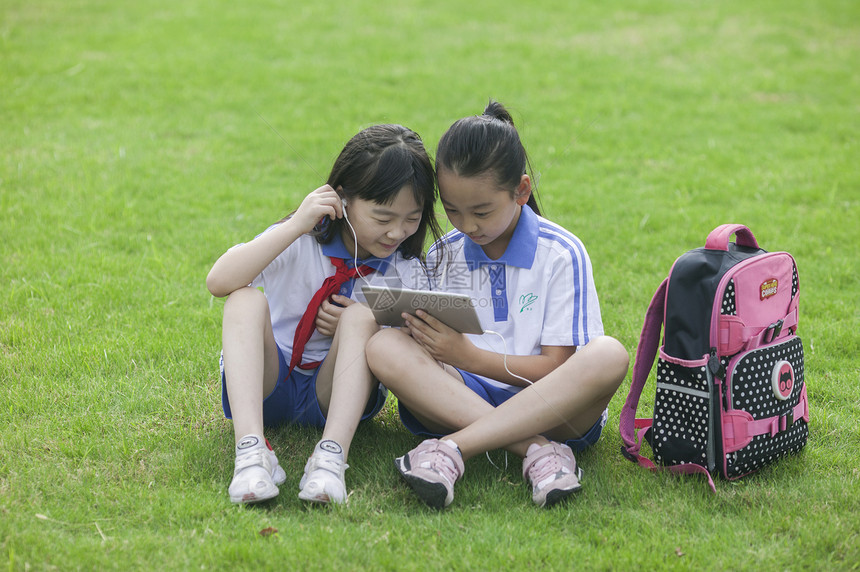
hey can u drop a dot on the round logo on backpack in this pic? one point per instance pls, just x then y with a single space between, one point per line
782 380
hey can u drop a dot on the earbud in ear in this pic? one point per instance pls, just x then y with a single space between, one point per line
343 202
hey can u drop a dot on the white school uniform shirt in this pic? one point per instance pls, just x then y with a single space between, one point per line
540 292
291 280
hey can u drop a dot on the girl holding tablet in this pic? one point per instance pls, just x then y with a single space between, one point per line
539 383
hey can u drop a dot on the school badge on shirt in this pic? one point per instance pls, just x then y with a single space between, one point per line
526 300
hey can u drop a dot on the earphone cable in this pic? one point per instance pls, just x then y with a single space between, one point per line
355 249
528 381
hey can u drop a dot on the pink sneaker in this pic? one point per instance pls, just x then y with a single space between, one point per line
552 471
431 469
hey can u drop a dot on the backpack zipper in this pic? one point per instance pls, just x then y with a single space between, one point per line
713 408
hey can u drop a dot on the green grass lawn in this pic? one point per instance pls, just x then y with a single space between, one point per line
140 140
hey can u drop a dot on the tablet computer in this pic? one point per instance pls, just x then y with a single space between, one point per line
457 311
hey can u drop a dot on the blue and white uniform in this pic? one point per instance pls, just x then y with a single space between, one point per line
540 292
292 279
289 282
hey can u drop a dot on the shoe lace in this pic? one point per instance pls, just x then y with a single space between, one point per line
440 462
546 467
256 457
334 466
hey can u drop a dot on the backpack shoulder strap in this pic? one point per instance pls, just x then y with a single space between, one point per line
646 351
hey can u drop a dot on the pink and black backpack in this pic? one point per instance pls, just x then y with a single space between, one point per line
730 394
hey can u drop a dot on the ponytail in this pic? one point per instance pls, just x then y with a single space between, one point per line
496 110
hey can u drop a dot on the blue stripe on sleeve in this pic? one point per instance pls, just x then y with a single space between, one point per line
579 274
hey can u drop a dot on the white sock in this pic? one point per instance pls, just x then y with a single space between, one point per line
453 445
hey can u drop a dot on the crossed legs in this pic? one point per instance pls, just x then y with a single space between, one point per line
562 405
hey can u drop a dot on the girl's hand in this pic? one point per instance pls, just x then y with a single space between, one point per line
441 342
329 314
319 203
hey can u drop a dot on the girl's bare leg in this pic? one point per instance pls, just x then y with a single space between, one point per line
563 405
436 396
250 359
345 383
344 386
251 370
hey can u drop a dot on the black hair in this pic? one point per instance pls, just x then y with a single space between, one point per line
487 144
374 165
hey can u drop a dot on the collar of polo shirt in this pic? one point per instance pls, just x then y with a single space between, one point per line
337 249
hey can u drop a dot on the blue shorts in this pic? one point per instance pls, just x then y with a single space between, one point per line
495 396
294 399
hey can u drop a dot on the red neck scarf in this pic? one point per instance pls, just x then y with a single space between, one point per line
330 285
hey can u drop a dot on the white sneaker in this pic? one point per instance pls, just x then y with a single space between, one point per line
323 481
256 473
